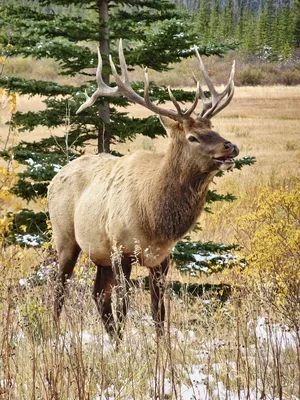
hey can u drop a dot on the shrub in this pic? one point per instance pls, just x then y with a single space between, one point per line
251 77
272 236
290 78
290 146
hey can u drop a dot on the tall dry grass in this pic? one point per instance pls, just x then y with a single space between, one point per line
239 350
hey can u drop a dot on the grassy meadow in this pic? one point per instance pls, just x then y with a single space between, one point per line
246 348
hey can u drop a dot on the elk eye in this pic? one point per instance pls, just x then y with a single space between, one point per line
192 139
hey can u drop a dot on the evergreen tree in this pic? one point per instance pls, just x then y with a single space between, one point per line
228 23
276 36
262 27
286 29
248 32
296 24
270 17
203 26
215 22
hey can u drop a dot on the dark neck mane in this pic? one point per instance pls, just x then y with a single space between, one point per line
175 200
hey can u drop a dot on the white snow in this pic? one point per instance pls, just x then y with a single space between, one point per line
277 334
30 240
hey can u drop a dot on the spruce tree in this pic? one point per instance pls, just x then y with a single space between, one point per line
228 20
296 24
286 29
203 25
248 32
270 17
262 27
215 22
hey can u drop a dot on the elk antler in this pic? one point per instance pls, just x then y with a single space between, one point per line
210 108
124 88
215 105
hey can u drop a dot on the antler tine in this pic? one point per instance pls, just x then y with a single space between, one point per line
123 84
123 64
102 90
226 102
99 68
195 102
161 111
88 102
205 75
146 87
174 101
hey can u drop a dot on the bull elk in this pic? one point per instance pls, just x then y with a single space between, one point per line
98 200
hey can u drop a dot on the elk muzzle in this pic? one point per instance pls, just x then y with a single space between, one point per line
225 162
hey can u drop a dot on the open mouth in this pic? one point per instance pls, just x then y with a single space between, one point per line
225 163
225 159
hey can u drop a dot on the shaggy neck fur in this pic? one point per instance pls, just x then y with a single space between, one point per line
176 198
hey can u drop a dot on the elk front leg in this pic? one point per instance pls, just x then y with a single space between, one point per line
157 277
105 281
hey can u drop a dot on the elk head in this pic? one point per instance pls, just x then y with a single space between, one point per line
193 131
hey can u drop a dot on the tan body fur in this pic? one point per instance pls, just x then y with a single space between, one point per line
97 200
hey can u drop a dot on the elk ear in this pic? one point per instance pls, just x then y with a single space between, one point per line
173 128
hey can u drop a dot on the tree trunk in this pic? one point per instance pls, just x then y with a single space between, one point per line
103 111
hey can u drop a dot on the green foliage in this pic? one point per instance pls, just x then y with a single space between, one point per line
195 258
296 24
35 225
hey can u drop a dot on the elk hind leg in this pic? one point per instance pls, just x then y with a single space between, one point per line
102 293
67 258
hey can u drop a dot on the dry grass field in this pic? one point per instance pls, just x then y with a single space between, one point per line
247 348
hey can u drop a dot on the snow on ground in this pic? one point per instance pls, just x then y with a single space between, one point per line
278 335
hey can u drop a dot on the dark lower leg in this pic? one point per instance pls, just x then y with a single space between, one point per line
157 289
106 279
103 285
122 279
67 261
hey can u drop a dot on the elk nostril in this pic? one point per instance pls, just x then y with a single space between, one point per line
228 145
